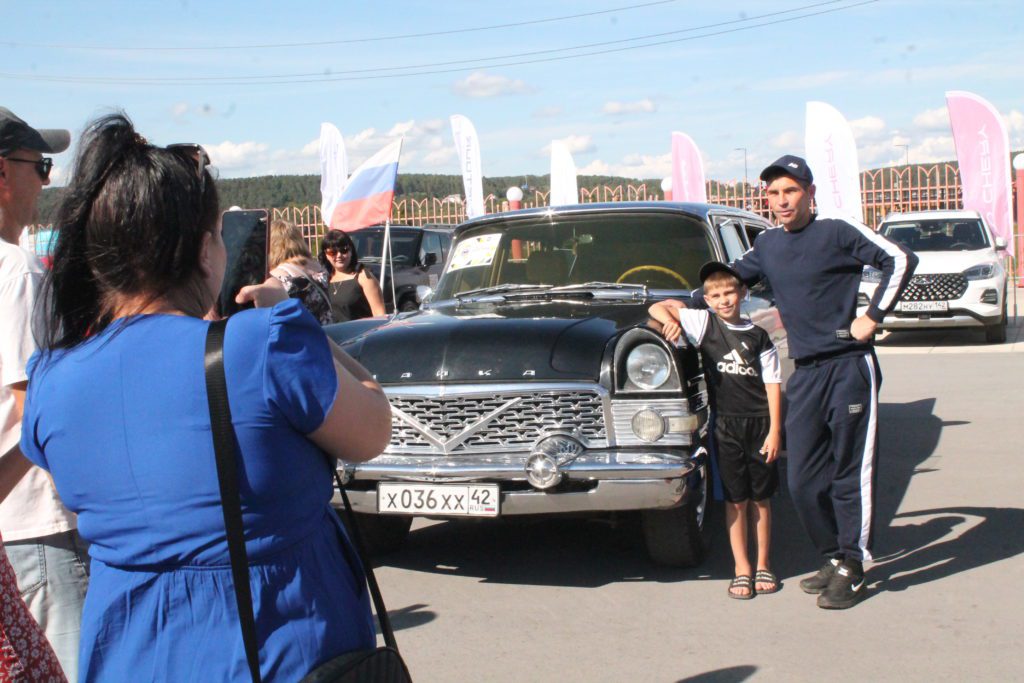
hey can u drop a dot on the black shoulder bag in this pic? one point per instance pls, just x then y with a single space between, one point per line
380 665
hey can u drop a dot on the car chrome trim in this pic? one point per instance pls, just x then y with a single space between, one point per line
588 466
576 408
632 494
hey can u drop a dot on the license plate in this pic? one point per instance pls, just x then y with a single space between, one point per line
922 306
461 500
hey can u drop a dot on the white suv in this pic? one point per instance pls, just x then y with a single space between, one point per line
960 280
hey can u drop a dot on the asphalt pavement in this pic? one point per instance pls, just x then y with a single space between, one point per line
577 600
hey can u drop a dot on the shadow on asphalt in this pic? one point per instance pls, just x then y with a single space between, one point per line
911 548
408 617
731 674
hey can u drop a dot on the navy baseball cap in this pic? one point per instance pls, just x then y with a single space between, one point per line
790 165
716 267
16 134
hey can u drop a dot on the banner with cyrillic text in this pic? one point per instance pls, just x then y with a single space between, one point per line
468 148
983 153
831 152
688 183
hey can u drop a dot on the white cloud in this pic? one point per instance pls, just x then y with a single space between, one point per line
867 127
644 106
480 84
577 144
804 81
595 167
788 140
933 119
179 109
427 147
230 155
632 166
1014 123
547 112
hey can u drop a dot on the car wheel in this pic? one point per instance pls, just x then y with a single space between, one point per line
406 305
996 334
382 534
678 537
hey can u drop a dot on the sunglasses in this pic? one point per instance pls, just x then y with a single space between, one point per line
331 251
197 154
43 166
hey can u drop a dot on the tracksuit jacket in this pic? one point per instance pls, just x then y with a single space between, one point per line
831 423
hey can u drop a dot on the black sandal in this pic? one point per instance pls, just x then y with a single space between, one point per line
765 576
741 581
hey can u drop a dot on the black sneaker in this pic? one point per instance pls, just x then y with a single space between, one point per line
819 582
844 590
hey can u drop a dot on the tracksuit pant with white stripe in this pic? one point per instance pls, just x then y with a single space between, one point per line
832 445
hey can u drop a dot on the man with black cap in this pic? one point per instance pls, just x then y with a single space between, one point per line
814 267
40 536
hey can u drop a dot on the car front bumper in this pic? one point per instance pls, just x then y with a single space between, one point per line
966 311
612 479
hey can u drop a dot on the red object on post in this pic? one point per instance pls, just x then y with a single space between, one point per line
514 195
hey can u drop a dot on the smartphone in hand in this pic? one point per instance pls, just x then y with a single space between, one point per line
246 237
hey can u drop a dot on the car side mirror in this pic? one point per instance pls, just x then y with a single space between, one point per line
430 258
423 293
1000 244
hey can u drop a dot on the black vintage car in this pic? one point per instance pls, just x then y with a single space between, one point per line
418 256
532 381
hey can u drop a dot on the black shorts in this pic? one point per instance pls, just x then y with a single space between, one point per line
741 465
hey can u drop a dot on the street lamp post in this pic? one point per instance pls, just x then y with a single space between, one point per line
906 150
744 149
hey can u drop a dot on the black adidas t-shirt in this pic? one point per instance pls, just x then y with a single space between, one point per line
738 361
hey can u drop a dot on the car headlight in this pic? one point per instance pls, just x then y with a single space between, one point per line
648 366
982 271
871 275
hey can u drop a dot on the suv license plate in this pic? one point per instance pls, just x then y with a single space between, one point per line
460 500
923 306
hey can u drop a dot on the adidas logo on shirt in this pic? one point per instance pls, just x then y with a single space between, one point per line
733 364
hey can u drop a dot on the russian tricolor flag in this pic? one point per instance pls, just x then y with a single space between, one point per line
367 197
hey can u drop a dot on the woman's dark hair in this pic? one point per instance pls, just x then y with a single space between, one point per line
131 223
335 239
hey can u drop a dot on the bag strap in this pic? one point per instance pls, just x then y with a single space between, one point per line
225 449
364 557
224 444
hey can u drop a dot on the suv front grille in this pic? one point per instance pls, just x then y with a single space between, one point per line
940 287
497 422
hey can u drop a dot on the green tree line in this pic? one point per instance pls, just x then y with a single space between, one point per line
280 191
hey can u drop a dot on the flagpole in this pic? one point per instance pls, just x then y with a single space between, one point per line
388 250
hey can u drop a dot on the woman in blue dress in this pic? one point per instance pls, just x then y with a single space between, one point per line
117 412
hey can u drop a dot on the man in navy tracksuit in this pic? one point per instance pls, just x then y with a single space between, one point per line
814 269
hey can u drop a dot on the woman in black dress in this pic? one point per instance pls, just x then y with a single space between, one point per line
353 290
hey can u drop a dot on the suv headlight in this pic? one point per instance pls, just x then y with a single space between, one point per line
648 366
982 271
871 275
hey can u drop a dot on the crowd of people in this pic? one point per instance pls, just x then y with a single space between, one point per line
115 562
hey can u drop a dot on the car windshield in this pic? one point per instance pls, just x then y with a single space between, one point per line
947 234
658 250
370 244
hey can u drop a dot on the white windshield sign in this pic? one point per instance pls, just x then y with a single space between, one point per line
475 251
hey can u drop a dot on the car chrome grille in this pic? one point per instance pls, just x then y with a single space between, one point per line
496 422
940 287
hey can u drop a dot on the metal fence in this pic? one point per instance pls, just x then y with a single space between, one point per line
883 191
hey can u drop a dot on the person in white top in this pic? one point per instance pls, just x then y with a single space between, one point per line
39 534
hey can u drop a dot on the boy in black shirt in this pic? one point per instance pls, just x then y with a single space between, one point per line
744 381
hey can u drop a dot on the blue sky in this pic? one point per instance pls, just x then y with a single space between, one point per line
884 64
